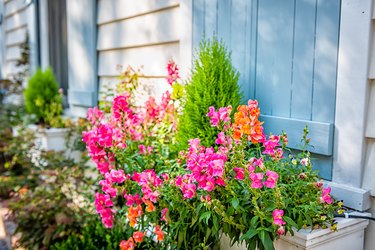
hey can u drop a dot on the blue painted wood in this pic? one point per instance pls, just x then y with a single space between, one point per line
252 41
210 24
82 98
274 56
238 40
323 164
326 51
286 53
303 60
224 20
198 23
321 133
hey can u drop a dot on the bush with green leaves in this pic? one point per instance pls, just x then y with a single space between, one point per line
214 82
43 99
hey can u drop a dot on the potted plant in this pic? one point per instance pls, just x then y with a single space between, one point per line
43 100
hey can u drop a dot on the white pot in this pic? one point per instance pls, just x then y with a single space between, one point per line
350 236
52 138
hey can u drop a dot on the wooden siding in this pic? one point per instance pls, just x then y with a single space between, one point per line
137 33
15 28
286 53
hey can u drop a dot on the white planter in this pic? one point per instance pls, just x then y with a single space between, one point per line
52 138
350 236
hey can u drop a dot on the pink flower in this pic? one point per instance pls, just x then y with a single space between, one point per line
189 190
206 198
132 199
142 149
224 114
94 116
277 215
280 231
117 176
108 188
221 138
240 173
164 212
326 197
257 163
219 181
214 116
257 180
194 145
251 168
271 179
172 72
209 184
178 181
107 217
305 162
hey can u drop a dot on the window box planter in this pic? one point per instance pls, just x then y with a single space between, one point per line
350 235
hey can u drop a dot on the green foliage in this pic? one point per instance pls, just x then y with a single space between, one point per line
55 206
214 82
93 236
42 98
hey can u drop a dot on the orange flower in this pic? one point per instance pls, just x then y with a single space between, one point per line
127 244
159 233
133 214
150 206
246 122
138 236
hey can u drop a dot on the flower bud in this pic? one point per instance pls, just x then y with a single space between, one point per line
280 231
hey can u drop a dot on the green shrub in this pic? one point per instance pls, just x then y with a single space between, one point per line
214 82
42 98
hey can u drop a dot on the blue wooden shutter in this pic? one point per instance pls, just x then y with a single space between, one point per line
286 53
82 71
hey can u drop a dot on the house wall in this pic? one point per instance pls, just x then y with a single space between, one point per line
140 33
15 27
369 155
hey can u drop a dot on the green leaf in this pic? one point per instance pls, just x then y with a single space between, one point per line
235 202
309 221
266 240
249 234
290 221
254 221
206 216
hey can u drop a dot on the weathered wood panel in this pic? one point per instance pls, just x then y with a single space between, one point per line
325 65
155 28
14 6
153 58
12 53
110 10
15 37
149 86
370 124
321 134
274 56
16 20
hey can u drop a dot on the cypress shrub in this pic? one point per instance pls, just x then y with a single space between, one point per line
214 82
42 98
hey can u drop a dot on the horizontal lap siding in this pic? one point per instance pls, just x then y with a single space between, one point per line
286 54
16 14
140 34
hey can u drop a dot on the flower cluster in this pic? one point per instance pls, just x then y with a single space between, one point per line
246 184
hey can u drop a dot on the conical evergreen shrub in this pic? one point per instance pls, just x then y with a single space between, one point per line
214 82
